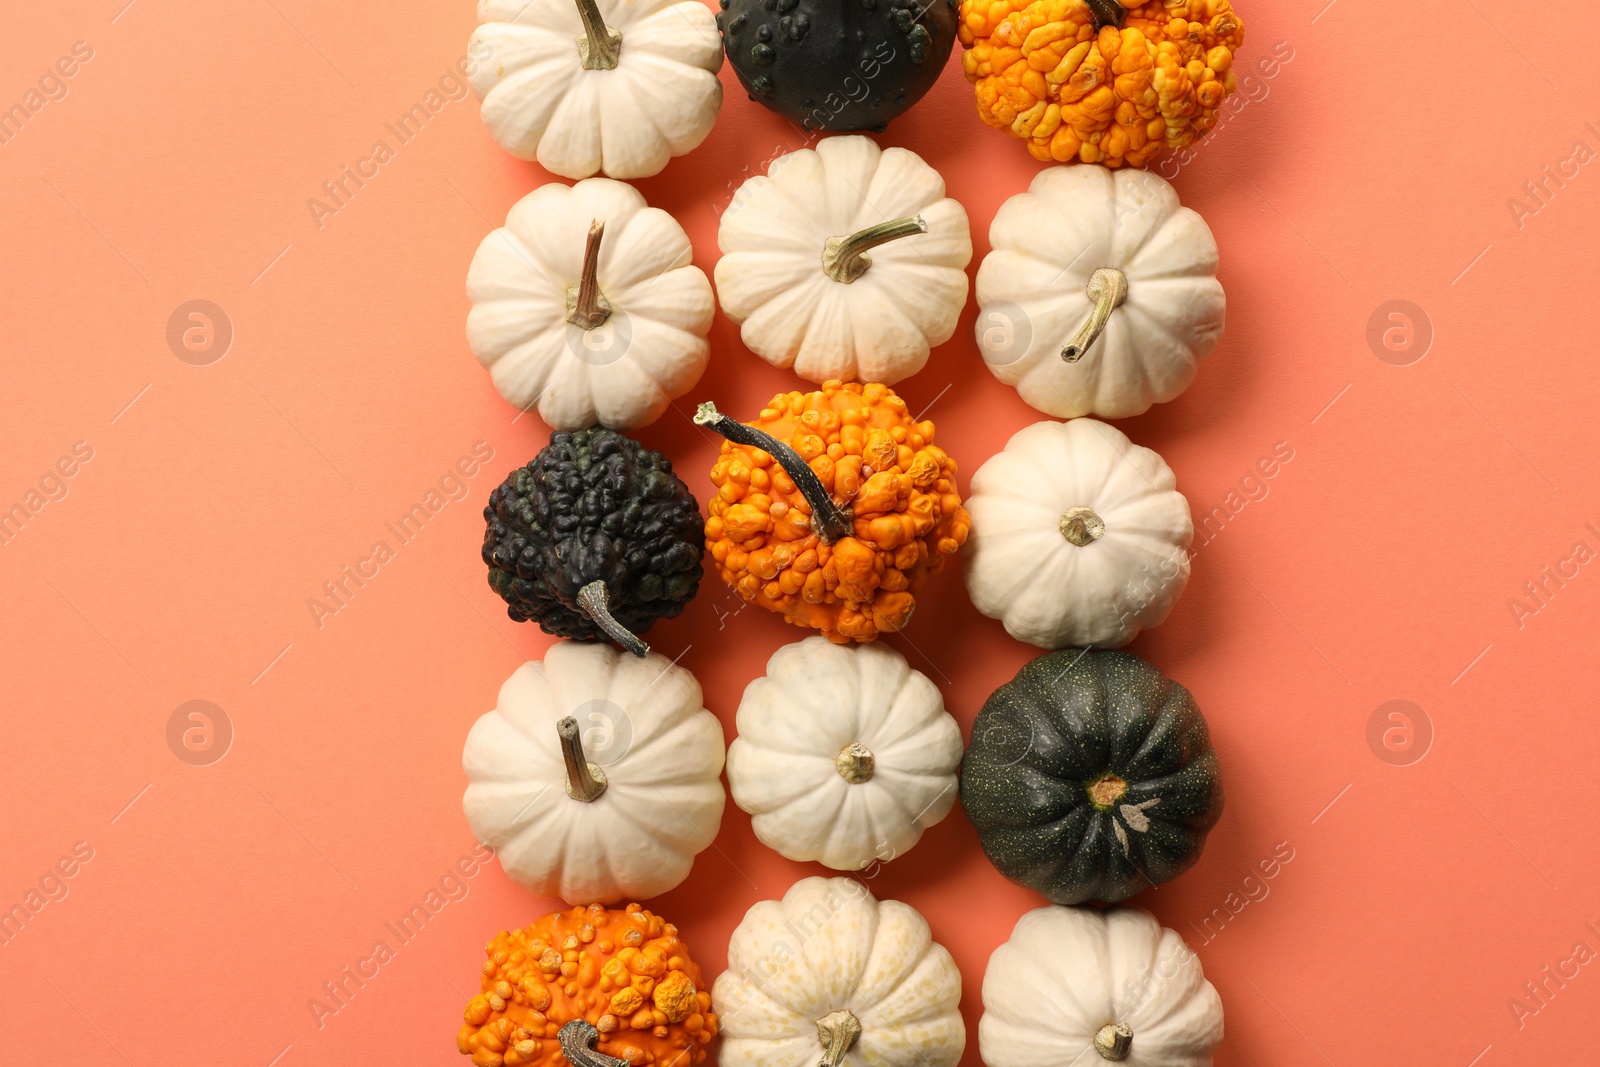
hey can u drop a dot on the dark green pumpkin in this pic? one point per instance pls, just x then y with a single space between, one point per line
595 538
1091 777
834 66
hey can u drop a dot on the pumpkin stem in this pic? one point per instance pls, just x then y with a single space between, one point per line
578 1039
585 780
837 1031
586 305
829 520
844 259
1082 526
1106 790
856 763
594 600
1107 288
1106 12
1113 1041
600 44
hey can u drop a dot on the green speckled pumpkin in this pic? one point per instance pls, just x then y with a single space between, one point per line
1091 777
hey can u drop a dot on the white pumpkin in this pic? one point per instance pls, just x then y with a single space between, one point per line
586 304
1079 536
830 976
1079 986
596 776
585 86
1100 296
844 755
846 262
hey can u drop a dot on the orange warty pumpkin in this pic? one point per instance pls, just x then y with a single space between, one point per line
1092 81
833 508
615 982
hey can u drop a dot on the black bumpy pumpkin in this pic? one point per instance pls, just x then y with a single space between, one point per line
595 538
1091 777
838 65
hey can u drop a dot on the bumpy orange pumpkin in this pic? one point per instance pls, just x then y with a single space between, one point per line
833 508
1095 82
596 987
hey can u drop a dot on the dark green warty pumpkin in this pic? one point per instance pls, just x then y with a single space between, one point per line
595 538
1091 777
838 65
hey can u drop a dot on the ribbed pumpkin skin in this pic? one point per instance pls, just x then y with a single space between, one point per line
1066 720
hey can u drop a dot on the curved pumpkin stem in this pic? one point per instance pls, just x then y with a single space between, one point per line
585 780
600 44
830 521
1113 1041
844 259
594 600
578 1039
586 306
837 1031
1106 12
1107 289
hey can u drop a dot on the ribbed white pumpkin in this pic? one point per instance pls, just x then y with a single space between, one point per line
1059 989
844 755
1079 536
862 311
554 92
645 342
829 976
659 753
1058 252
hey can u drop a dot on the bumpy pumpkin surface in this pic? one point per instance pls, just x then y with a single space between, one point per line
895 514
623 970
1095 82
593 507
837 66
1091 777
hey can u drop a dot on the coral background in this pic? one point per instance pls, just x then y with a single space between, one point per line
1380 565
